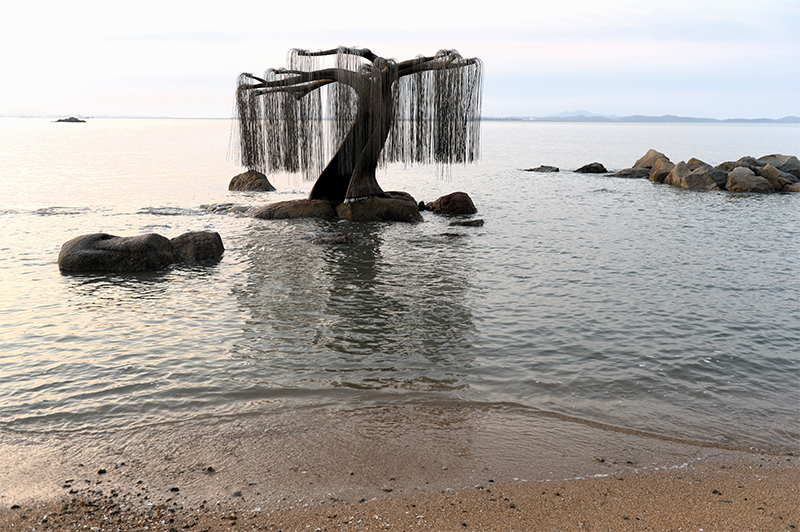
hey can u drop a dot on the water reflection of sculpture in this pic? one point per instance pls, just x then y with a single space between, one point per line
391 311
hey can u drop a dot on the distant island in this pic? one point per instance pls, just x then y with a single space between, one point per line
70 119
585 116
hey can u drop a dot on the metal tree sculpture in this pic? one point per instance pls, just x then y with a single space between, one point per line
365 111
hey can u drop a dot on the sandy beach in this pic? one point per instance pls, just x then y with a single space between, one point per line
392 468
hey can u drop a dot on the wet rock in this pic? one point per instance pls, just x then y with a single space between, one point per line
684 176
303 208
545 169
390 207
101 252
108 253
251 180
592 168
455 203
197 246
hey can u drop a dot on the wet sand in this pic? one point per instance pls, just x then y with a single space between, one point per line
390 468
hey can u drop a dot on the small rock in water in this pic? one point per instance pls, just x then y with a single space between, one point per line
348 238
468 223
543 169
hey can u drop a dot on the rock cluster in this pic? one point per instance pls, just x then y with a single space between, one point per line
770 173
101 252
389 207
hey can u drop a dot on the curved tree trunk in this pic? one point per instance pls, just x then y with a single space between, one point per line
349 177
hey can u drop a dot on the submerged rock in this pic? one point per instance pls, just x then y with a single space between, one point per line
543 169
101 252
348 238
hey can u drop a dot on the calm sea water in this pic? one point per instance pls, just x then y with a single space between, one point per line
606 300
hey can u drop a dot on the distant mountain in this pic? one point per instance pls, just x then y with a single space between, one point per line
585 116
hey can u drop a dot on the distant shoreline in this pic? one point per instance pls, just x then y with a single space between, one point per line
666 119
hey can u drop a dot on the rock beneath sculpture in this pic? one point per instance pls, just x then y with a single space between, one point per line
592 168
543 169
303 208
251 180
453 204
101 252
785 163
390 207
633 173
197 246
742 179
660 170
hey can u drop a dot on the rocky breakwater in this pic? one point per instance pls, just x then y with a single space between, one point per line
101 252
770 173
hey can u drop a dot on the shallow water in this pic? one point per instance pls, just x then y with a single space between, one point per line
615 302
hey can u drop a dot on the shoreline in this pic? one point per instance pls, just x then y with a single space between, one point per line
461 469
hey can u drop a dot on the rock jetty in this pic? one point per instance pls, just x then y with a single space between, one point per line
767 174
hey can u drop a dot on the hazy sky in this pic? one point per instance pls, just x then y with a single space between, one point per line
718 59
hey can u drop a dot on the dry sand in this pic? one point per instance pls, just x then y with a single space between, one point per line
391 468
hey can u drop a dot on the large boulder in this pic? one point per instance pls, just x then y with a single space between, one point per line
785 163
592 168
390 207
251 180
742 179
649 159
303 208
454 204
197 246
660 170
101 252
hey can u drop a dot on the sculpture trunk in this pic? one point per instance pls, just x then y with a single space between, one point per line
350 175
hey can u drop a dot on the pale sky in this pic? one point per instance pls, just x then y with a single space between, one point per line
717 59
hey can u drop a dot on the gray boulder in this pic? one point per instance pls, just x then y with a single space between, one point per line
592 168
101 252
742 179
251 180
